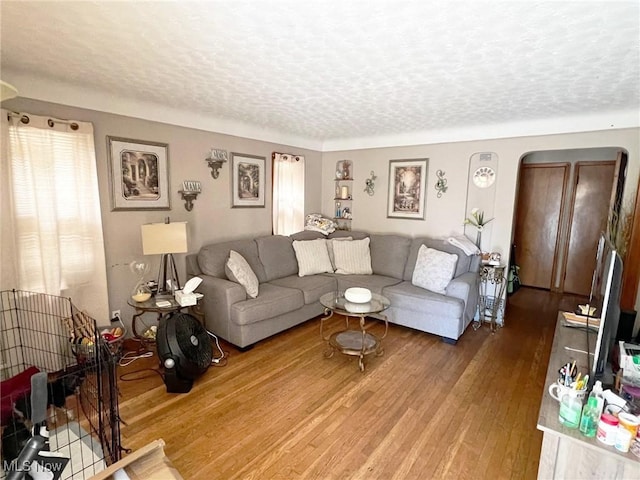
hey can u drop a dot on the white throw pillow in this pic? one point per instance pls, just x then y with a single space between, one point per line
312 257
330 248
239 271
434 269
353 257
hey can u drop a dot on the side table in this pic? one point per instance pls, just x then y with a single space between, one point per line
150 307
492 286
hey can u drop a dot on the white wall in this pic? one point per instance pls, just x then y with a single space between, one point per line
212 218
445 215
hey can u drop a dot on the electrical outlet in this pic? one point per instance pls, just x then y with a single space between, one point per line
115 314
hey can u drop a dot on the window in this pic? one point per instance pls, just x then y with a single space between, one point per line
53 211
288 193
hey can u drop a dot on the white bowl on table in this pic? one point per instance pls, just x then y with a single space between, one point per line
357 295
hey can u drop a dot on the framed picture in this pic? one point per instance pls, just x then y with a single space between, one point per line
247 181
407 188
139 174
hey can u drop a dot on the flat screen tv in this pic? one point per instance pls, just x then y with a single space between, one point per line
605 296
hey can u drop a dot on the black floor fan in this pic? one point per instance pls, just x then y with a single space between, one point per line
184 349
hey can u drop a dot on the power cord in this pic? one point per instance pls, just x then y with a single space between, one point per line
220 361
130 357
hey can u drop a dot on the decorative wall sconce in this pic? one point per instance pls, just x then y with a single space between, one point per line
441 184
369 183
215 160
190 191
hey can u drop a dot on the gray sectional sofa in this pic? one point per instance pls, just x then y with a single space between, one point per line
286 299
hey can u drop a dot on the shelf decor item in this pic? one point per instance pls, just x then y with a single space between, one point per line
247 181
139 174
478 221
407 181
215 160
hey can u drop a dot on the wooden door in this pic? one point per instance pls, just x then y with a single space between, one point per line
590 208
540 199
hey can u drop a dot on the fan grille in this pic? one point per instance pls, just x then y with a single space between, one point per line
193 341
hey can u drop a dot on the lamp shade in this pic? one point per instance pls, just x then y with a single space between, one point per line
159 238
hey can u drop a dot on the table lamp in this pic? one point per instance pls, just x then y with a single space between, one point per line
165 239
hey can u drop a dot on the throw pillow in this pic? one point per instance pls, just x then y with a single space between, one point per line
312 257
353 257
239 271
330 241
434 269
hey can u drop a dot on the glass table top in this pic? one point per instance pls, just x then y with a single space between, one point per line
335 301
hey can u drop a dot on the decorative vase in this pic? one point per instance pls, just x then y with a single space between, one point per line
141 291
479 239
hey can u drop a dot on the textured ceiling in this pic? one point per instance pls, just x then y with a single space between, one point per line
331 70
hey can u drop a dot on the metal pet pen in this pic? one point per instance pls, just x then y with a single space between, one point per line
46 333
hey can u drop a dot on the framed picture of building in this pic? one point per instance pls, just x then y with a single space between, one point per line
407 188
139 174
247 181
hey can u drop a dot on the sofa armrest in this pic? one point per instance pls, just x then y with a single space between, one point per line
462 285
219 295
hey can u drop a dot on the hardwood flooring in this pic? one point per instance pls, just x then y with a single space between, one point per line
425 409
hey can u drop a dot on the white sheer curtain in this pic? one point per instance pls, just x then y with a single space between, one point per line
288 193
51 206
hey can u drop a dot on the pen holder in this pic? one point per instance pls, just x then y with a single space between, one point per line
557 390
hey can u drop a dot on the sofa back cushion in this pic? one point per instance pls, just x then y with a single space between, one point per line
307 235
348 233
463 265
277 255
212 258
389 254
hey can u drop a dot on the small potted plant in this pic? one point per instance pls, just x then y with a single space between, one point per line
478 221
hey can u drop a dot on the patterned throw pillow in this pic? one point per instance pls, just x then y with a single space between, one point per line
434 269
353 257
239 271
312 257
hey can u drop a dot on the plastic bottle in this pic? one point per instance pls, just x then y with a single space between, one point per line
597 392
590 418
570 410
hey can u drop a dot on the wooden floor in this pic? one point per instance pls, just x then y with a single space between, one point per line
425 409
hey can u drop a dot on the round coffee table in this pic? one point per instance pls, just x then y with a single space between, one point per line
357 342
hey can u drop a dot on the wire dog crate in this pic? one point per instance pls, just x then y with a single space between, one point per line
46 333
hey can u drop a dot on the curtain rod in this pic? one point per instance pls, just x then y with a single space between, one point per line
297 157
25 119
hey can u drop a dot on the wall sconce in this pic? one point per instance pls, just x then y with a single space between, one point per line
189 192
441 184
215 160
369 184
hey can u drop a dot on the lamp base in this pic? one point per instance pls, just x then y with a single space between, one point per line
168 280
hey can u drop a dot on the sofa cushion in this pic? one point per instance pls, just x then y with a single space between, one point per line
353 257
272 301
349 233
389 254
312 257
312 287
332 257
306 235
374 282
463 265
212 258
239 271
434 269
405 296
277 255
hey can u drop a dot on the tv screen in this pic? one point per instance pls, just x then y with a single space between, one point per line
605 296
